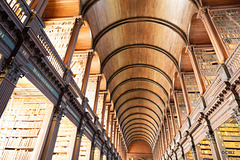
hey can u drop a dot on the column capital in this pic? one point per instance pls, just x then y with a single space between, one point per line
11 72
59 112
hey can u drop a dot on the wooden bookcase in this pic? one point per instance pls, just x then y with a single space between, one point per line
85 148
204 150
208 64
189 155
228 136
227 23
78 66
192 89
182 106
23 126
65 140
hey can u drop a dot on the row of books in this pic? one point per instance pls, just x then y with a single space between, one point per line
21 142
22 132
23 124
16 155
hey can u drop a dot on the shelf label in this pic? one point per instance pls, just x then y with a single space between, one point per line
39 75
5 38
71 111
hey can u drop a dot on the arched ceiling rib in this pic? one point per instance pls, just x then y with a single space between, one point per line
139 44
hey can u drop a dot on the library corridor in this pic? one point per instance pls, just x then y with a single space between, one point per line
119 79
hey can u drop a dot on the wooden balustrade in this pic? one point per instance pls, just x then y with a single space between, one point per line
53 56
21 9
233 62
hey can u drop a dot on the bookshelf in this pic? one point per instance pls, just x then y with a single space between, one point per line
59 32
192 89
100 106
65 140
85 148
182 106
23 126
78 66
189 155
227 23
97 154
205 150
91 90
208 63
229 137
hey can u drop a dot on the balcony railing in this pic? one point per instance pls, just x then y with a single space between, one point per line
233 62
21 9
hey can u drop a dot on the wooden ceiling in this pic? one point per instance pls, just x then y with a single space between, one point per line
139 48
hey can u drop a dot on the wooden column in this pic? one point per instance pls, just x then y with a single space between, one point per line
40 6
172 119
86 73
97 94
111 128
185 93
52 133
93 146
169 130
104 109
9 77
217 43
108 116
117 140
197 71
78 140
115 131
73 41
177 109
213 145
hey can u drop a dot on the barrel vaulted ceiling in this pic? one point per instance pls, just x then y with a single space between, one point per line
139 44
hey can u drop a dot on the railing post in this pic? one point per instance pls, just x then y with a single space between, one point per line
86 73
185 93
97 94
218 46
197 72
73 41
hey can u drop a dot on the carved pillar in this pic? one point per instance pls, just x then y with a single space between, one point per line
97 94
93 146
52 133
172 119
218 45
73 41
115 132
193 147
108 116
78 140
197 71
111 128
212 140
213 145
9 77
40 6
104 109
185 93
86 73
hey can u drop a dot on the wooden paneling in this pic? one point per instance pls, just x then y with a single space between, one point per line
198 33
62 8
219 2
